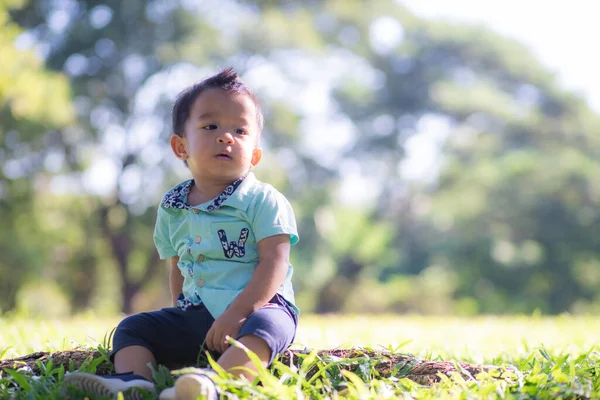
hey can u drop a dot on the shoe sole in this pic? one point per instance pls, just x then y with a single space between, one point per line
94 384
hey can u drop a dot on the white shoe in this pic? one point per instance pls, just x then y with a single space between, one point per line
191 387
132 386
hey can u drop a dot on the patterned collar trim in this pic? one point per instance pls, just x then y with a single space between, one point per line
177 197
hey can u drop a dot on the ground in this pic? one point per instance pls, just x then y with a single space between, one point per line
421 371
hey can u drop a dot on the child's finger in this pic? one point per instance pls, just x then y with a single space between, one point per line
220 341
223 343
210 339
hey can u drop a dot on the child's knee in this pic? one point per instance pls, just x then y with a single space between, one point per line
128 326
253 340
274 326
258 346
129 332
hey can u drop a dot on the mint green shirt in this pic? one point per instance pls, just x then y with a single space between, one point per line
217 241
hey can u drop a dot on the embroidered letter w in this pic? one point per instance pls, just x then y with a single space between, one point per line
231 249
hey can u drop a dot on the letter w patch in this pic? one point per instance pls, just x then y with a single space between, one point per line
231 249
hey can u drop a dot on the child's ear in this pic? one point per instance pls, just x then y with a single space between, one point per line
178 147
256 156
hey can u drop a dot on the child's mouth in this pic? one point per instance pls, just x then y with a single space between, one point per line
224 156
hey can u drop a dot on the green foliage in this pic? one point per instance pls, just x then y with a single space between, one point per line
568 366
538 376
33 101
25 86
507 223
514 211
107 62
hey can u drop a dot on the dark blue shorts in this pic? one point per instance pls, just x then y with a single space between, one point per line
176 337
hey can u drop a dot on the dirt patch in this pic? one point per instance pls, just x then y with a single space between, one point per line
386 364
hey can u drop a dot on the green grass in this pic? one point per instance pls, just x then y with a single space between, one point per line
552 357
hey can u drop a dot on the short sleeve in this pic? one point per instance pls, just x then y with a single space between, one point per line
273 215
162 239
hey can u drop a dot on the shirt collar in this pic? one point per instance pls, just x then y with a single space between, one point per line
233 195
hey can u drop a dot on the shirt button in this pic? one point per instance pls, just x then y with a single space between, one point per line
197 239
200 283
189 251
201 258
195 210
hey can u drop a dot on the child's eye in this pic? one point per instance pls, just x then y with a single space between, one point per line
211 127
240 131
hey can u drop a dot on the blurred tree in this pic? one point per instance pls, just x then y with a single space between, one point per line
124 77
513 211
346 88
109 49
520 204
33 103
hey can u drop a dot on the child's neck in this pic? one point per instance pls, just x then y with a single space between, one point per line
202 192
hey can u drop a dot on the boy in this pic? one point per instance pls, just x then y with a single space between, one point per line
227 239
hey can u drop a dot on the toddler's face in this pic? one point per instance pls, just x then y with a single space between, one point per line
220 137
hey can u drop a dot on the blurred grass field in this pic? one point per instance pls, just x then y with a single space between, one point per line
480 339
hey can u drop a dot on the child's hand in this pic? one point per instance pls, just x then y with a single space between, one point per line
228 324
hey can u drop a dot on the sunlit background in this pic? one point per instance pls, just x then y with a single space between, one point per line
441 157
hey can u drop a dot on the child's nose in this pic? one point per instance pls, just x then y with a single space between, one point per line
225 137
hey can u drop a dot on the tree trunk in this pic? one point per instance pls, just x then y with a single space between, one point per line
83 281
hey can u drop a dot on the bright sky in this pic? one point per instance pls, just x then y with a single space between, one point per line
562 34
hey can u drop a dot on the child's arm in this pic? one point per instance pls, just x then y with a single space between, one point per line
273 256
175 279
273 264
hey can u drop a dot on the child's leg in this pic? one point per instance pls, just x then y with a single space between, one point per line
169 335
267 333
234 357
192 386
135 359
163 336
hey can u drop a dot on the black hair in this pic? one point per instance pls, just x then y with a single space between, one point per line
227 80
